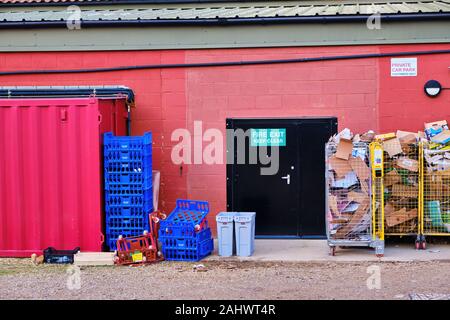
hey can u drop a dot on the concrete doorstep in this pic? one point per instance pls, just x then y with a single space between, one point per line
318 251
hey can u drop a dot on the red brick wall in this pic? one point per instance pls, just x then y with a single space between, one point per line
360 92
402 103
346 89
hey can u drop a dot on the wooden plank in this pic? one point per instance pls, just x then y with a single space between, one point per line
94 259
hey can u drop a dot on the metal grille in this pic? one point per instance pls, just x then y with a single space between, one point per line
349 214
436 194
402 191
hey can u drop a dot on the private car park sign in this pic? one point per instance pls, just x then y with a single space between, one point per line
403 67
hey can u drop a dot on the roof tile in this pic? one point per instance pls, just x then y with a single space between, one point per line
230 10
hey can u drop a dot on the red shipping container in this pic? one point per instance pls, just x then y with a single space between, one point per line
51 172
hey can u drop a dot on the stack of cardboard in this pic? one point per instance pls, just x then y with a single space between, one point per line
348 181
401 181
437 177
437 146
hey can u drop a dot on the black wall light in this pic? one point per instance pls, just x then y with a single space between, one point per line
432 88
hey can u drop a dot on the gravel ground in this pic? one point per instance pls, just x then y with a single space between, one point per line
19 279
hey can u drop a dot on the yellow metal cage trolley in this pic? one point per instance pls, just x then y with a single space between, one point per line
398 191
435 198
350 221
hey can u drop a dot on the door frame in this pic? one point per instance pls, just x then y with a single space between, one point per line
233 123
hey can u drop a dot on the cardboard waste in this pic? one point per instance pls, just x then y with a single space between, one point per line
437 178
401 182
349 179
434 128
349 186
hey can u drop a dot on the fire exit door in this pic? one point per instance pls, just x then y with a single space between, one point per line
275 167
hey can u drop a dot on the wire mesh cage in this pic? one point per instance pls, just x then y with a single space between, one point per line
401 181
436 191
349 216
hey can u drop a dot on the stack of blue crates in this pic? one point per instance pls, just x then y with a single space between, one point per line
185 235
128 185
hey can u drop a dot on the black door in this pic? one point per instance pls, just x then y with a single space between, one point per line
285 186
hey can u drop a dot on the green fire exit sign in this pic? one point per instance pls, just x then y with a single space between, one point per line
268 137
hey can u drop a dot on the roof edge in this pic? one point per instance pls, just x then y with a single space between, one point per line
117 2
400 17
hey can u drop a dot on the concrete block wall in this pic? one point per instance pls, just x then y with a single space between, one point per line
361 93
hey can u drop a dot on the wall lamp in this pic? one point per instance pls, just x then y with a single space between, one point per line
433 88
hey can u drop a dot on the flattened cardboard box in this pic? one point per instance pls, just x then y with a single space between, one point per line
443 173
393 147
365 186
392 177
388 209
401 190
341 167
434 128
344 149
407 137
360 167
408 164
357 196
400 216
348 181
355 220
402 202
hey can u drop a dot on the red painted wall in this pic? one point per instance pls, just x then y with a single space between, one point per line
360 92
402 102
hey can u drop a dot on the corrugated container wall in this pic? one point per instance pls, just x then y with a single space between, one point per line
51 172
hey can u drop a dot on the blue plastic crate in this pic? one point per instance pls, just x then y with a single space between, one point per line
144 200
117 224
129 166
128 178
172 242
126 212
202 250
127 148
128 189
127 143
126 227
142 157
117 157
183 219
